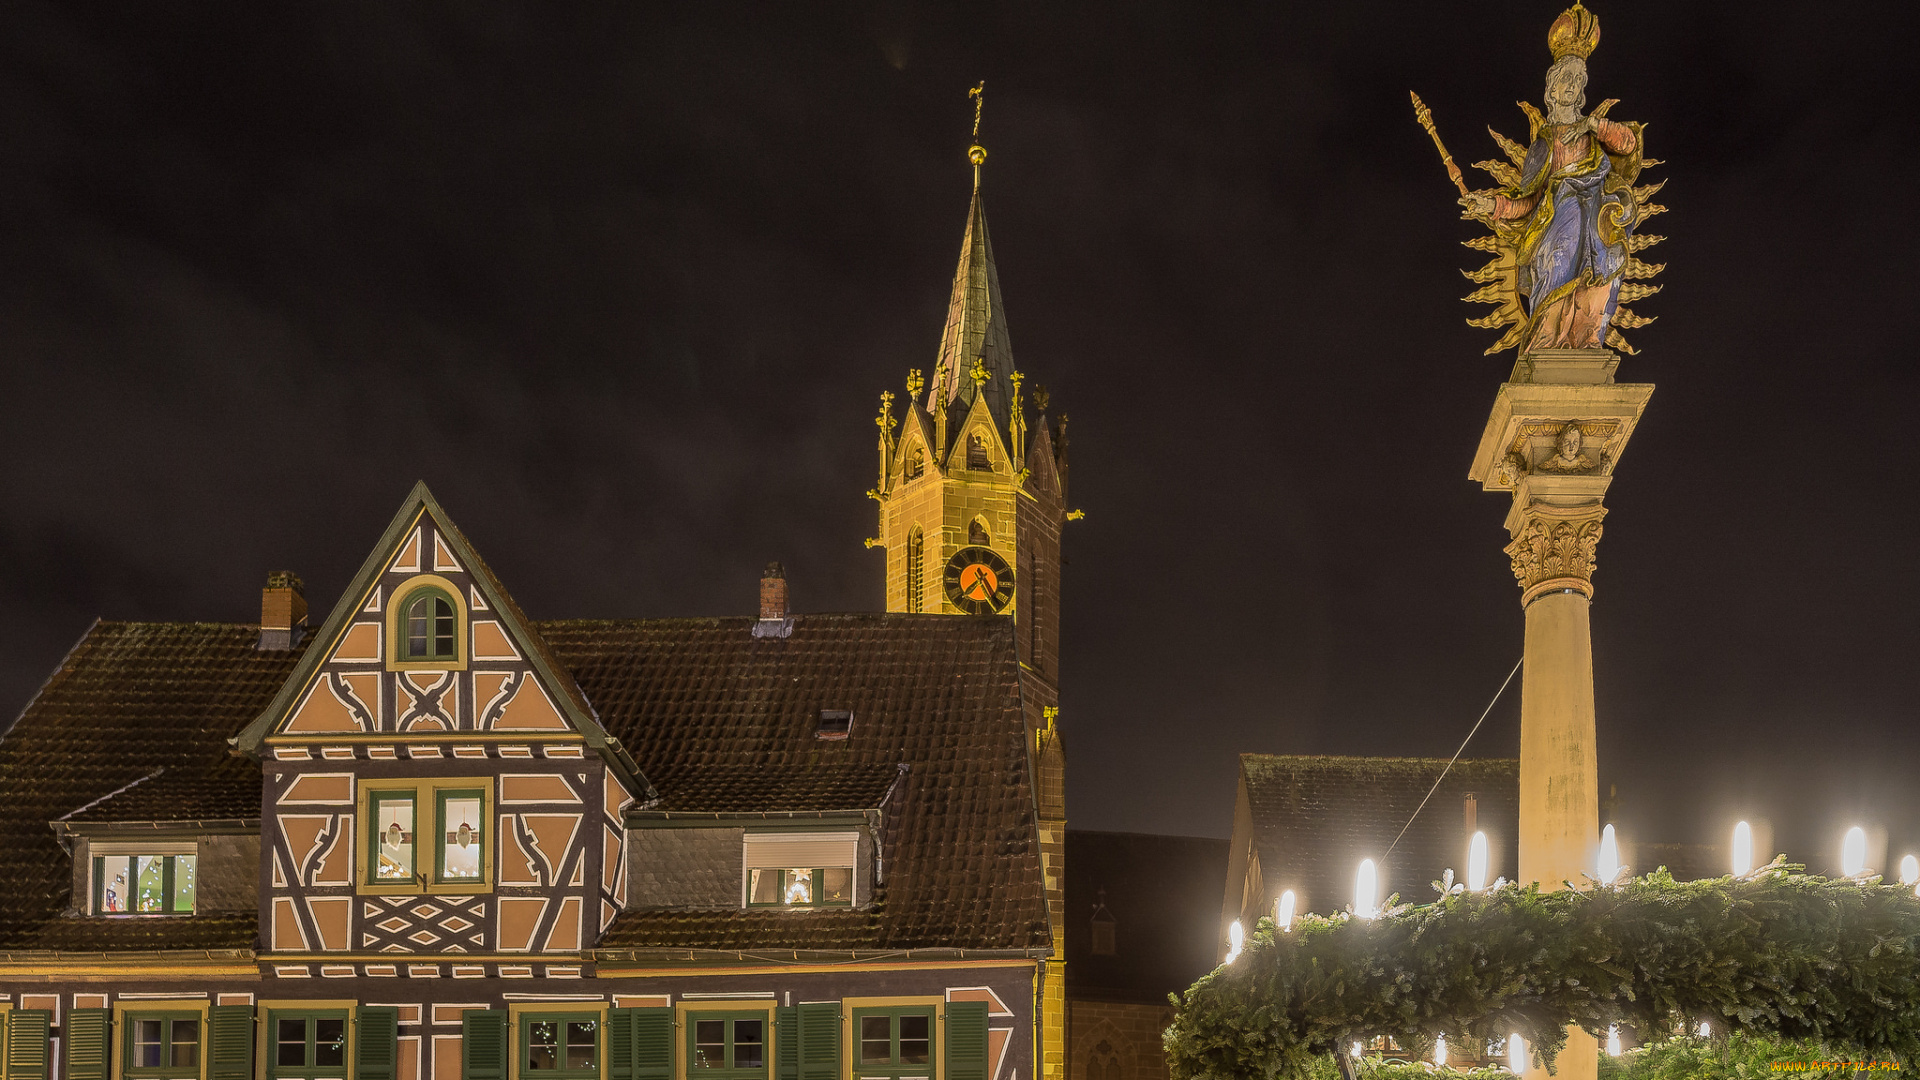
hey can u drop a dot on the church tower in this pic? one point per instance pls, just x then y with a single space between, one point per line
972 494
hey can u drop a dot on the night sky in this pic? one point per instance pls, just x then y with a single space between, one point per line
623 283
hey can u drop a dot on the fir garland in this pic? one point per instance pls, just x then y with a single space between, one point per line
1779 953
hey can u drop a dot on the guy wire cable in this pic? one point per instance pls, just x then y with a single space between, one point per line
1456 755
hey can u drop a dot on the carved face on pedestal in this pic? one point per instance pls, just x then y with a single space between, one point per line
1570 439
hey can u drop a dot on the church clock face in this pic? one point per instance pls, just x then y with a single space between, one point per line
979 582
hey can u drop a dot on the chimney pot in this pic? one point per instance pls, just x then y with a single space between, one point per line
283 612
776 614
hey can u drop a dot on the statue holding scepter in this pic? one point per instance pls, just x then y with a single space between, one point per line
1564 220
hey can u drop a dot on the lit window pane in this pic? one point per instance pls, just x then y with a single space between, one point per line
150 890
749 1044
580 1044
329 1042
185 869
417 619
146 1043
799 888
710 1044
460 820
836 885
916 1043
186 1043
764 887
395 822
292 1041
115 883
543 1045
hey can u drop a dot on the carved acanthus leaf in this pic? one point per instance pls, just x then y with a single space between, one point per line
1548 549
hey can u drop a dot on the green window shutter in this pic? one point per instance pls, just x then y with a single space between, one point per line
483 1044
27 1044
377 1050
786 1037
229 1042
620 1044
819 1040
88 1033
652 1044
966 1040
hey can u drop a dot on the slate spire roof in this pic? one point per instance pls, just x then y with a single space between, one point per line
976 328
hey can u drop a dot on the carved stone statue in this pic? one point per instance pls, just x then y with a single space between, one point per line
1565 215
1567 457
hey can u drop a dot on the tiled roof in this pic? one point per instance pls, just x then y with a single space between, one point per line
1315 818
129 698
810 786
937 693
1163 895
694 700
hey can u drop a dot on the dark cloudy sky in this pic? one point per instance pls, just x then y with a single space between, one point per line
622 282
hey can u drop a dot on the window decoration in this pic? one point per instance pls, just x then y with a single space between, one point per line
801 887
308 1045
560 1046
727 1047
428 623
392 845
137 884
164 1044
426 836
895 1044
461 848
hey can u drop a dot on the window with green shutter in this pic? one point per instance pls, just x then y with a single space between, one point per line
87 1034
727 1046
819 1039
309 1044
639 1044
376 1048
559 1046
966 1040
160 1045
26 1049
893 1043
229 1042
483 1044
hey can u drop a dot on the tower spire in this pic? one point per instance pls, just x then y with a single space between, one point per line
974 341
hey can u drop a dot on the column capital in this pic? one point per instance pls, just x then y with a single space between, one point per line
1553 549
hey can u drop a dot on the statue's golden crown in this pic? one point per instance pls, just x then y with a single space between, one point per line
1575 33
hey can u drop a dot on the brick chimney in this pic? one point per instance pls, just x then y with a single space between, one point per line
283 612
776 615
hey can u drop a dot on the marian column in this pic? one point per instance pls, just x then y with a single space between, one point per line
1563 226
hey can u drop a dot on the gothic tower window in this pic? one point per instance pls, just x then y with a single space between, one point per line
977 456
977 534
916 569
916 463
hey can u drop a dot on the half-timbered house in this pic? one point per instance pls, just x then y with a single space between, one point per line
433 839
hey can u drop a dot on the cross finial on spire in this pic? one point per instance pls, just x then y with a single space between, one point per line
977 153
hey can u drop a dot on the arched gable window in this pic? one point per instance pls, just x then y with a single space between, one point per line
916 463
427 623
916 569
977 534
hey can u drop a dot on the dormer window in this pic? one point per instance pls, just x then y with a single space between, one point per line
801 870
157 879
834 724
429 626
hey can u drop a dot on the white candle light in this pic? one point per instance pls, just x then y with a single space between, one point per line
1440 1050
1853 852
1909 870
1613 1041
1516 1054
1609 856
1366 888
1236 936
1283 912
1742 849
1477 862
